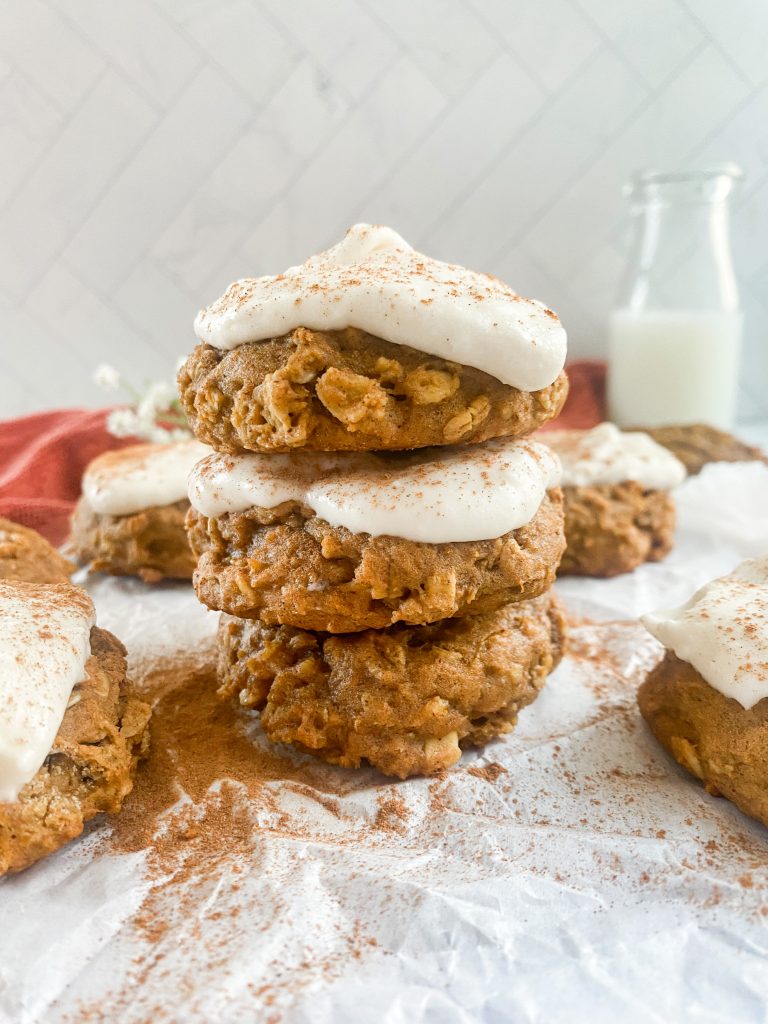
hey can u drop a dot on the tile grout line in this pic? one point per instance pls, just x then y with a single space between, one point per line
644 105
207 60
280 27
252 225
67 120
715 44
451 98
255 112
102 193
520 135
105 58
435 124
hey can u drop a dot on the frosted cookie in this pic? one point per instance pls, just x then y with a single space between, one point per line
70 732
618 509
130 519
707 701
698 444
25 555
406 700
344 542
371 346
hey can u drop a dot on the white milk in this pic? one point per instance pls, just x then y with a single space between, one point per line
673 367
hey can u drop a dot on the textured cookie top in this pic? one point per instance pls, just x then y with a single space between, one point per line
26 555
143 476
606 455
723 632
44 645
433 495
375 281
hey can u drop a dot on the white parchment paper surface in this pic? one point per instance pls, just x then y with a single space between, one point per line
584 878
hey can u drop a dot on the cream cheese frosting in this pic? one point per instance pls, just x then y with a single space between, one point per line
475 493
143 476
723 632
606 455
375 281
44 645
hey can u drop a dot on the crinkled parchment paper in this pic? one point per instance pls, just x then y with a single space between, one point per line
568 872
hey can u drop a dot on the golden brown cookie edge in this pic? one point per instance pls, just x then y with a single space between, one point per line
710 735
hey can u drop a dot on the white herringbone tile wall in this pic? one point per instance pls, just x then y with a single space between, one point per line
155 150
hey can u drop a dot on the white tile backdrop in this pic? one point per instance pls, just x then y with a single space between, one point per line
154 150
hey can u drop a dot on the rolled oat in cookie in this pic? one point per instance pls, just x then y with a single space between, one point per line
406 700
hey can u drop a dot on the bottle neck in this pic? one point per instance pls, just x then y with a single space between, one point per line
680 255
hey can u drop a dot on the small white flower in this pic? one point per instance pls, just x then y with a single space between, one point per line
106 377
123 423
157 399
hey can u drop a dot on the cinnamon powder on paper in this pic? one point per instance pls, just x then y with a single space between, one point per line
489 772
196 739
200 749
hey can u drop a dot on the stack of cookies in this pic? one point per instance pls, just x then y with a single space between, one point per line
374 523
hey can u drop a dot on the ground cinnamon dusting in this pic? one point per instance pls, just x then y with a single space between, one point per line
489 772
196 740
204 754
220 863
392 813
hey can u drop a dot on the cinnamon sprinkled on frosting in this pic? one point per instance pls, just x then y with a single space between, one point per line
723 632
44 644
606 455
433 496
375 281
143 476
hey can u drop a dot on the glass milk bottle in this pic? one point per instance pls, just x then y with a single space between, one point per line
676 334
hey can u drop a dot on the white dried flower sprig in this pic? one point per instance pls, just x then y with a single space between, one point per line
106 377
154 416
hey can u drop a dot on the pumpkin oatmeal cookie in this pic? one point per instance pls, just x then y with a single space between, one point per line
371 346
349 391
349 541
286 565
130 518
712 736
612 530
151 544
618 509
26 555
706 702
698 444
406 700
101 735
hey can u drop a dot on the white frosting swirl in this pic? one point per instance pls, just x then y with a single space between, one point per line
375 281
606 455
44 645
143 476
475 493
723 632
